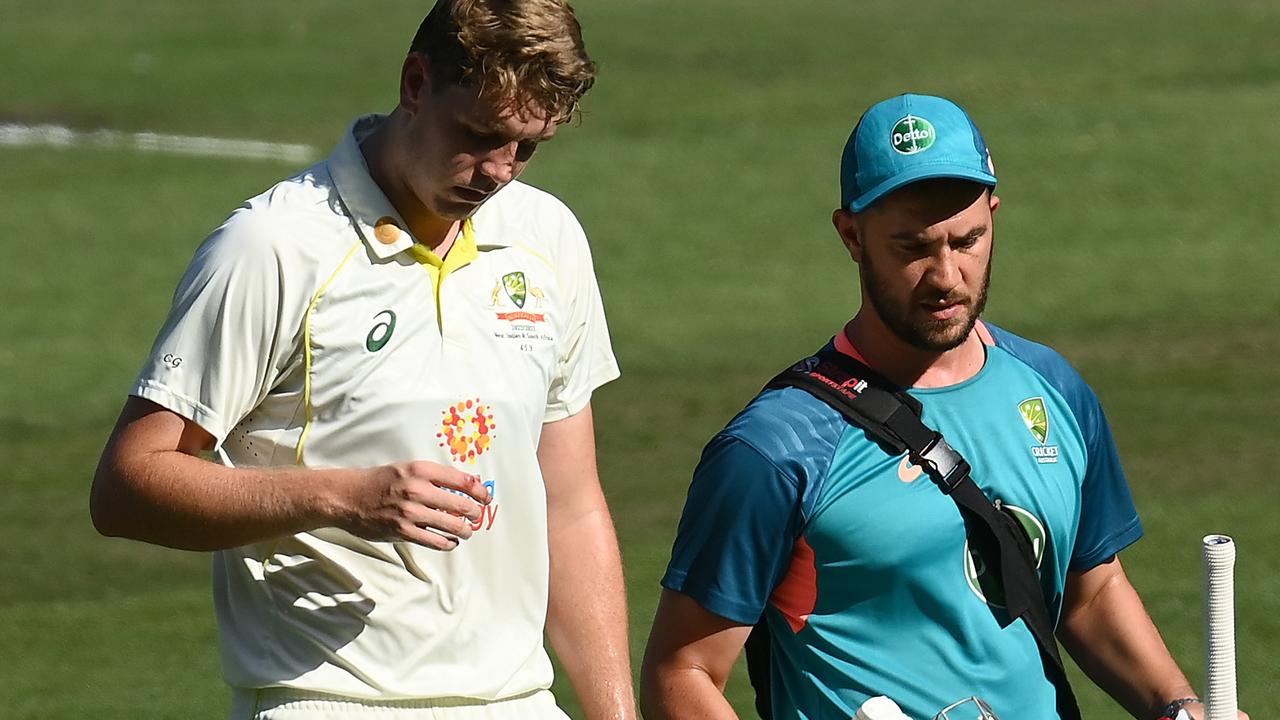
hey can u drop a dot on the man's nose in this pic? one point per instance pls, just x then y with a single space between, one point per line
944 272
499 164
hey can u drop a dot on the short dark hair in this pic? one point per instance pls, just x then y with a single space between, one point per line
517 52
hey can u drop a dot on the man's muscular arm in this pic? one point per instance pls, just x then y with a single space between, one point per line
1108 632
587 611
151 485
688 660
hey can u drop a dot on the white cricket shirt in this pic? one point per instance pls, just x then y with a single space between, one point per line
311 329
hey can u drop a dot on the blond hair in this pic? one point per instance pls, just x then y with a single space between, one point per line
519 53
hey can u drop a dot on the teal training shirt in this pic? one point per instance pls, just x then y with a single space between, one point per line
860 565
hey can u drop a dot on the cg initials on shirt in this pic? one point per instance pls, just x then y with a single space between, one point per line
380 334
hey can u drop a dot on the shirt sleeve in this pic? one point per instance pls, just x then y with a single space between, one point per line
1108 518
586 356
227 335
737 532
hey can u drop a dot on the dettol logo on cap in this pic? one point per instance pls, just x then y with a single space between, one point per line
913 134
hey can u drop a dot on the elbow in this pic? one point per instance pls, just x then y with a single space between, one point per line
101 511
108 509
653 704
650 703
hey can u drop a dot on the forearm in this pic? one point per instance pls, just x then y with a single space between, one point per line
178 500
587 610
671 693
688 659
1112 638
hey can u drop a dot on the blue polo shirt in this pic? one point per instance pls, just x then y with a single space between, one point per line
861 566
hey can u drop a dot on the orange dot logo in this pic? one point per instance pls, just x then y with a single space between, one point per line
386 230
466 428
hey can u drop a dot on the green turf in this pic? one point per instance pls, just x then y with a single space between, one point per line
1135 142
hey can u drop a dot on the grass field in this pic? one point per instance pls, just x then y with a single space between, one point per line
1136 142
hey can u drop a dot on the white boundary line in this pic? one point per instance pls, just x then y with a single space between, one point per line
21 135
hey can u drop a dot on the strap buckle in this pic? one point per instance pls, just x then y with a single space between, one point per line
946 467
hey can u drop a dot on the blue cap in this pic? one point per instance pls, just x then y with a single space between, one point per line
909 138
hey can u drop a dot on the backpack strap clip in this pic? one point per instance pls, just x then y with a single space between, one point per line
944 465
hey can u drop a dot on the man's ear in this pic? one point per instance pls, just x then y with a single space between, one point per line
846 224
415 82
995 203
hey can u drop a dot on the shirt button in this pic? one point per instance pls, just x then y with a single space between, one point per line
386 230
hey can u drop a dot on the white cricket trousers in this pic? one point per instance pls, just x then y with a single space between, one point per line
287 704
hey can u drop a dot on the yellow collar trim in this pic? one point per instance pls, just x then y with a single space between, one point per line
459 255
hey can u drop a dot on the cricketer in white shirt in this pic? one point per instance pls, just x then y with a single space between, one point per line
311 329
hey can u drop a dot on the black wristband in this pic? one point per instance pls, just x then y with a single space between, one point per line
1168 711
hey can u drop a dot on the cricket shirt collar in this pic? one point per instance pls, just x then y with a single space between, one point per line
383 229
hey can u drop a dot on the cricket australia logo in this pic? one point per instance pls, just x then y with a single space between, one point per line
985 581
517 291
1036 417
913 134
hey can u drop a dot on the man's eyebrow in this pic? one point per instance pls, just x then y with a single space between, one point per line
492 127
905 236
496 128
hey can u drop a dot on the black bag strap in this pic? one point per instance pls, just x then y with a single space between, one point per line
885 410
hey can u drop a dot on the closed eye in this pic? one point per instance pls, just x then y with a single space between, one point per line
969 239
525 150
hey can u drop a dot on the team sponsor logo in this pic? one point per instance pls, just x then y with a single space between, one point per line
913 134
488 513
1036 417
985 581
806 365
831 375
515 287
466 429
380 334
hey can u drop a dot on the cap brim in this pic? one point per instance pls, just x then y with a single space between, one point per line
916 174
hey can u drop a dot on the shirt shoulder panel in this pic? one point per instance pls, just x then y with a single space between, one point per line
236 320
749 501
1050 365
796 433
538 224
1108 519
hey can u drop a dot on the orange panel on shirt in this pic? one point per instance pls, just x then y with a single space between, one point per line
797 594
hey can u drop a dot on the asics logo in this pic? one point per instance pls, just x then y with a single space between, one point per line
380 334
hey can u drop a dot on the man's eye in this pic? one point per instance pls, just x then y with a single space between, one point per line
485 138
525 150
